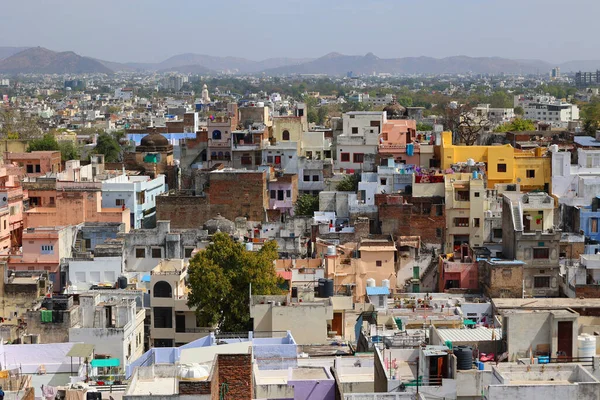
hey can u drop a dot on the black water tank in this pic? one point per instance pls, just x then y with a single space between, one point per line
464 357
122 282
321 287
294 292
328 288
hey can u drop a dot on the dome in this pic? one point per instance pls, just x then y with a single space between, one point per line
153 140
395 111
219 224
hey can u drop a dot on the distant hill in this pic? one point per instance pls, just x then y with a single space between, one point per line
38 60
339 64
6 51
580 65
189 69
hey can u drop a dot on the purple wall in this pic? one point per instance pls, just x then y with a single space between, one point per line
313 390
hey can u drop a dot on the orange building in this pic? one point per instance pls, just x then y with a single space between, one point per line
36 163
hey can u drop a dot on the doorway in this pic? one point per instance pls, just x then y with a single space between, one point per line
565 338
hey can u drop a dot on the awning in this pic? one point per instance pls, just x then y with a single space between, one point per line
468 322
106 362
81 350
146 278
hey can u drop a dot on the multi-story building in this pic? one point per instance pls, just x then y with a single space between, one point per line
583 79
357 145
173 322
548 110
465 201
137 194
529 235
283 193
36 163
219 140
247 146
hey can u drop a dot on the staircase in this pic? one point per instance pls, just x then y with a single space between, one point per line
517 219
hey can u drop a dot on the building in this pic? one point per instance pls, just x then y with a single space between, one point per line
137 194
529 235
360 139
173 323
400 142
113 322
220 139
36 163
458 271
501 278
283 193
583 79
153 156
548 110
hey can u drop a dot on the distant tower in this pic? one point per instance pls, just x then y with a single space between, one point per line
205 96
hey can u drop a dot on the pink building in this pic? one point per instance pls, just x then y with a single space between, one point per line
76 202
12 197
458 271
36 163
283 192
43 250
398 140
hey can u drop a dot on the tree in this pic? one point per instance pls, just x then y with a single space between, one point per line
45 143
519 111
322 115
106 144
306 205
517 125
424 127
349 183
220 279
15 125
591 117
464 121
68 151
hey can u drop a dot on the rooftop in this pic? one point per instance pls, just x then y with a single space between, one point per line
470 335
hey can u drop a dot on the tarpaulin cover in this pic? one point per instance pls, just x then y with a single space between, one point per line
106 362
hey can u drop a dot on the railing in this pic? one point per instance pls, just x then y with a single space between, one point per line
195 330
584 361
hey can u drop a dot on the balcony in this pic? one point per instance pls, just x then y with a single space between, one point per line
222 144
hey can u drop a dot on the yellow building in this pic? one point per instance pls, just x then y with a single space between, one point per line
532 169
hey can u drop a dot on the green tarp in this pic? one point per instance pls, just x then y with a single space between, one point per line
105 362
46 315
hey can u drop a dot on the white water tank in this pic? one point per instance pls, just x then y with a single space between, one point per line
331 251
385 283
586 345
554 148
260 104
249 246
370 282
193 372
470 162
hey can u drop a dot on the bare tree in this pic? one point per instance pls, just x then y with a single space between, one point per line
15 125
466 123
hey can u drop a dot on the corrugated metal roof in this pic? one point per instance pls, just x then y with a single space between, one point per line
377 290
81 350
469 335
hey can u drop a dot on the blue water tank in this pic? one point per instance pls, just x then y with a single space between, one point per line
474 174
410 149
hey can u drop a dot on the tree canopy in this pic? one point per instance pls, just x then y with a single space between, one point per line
306 205
591 117
48 142
349 183
517 125
220 279
109 146
16 125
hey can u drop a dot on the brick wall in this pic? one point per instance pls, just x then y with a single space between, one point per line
193 387
587 291
419 217
234 377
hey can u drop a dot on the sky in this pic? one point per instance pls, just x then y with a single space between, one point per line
153 30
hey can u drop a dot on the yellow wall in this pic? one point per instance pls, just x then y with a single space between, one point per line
517 162
291 124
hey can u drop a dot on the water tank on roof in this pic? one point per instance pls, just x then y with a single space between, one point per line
260 104
554 148
410 149
370 282
385 283
122 282
249 246
193 372
470 162
586 345
331 251
464 357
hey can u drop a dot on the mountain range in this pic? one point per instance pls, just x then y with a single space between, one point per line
14 60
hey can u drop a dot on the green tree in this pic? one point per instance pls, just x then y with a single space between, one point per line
45 143
591 117
15 125
68 151
349 183
500 99
220 279
519 111
424 127
107 144
306 205
322 115
517 125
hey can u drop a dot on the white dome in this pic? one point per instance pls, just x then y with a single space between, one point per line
193 372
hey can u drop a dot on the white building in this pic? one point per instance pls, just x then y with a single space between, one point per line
360 138
548 109
84 273
576 184
124 94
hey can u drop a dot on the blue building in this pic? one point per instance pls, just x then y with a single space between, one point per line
137 193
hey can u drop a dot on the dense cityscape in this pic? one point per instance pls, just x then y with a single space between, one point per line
332 228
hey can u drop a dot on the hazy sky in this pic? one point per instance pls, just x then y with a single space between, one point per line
153 30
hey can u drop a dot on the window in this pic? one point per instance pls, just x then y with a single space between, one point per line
188 252
501 168
309 155
541 282
593 225
140 252
30 169
383 181
156 252
37 168
285 135
216 135
507 273
375 124
345 157
288 194
438 232
306 178
88 244
315 178
280 195
120 202
163 317
141 197
439 210
541 253
4 224
273 194
359 157
163 289
530 173
355 129
246 159
47 249
476 194
497 232
378 263
461 222
381 301
476 222
52 201
461 195
270 159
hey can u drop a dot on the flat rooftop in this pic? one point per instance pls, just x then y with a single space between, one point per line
546 303
154 387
